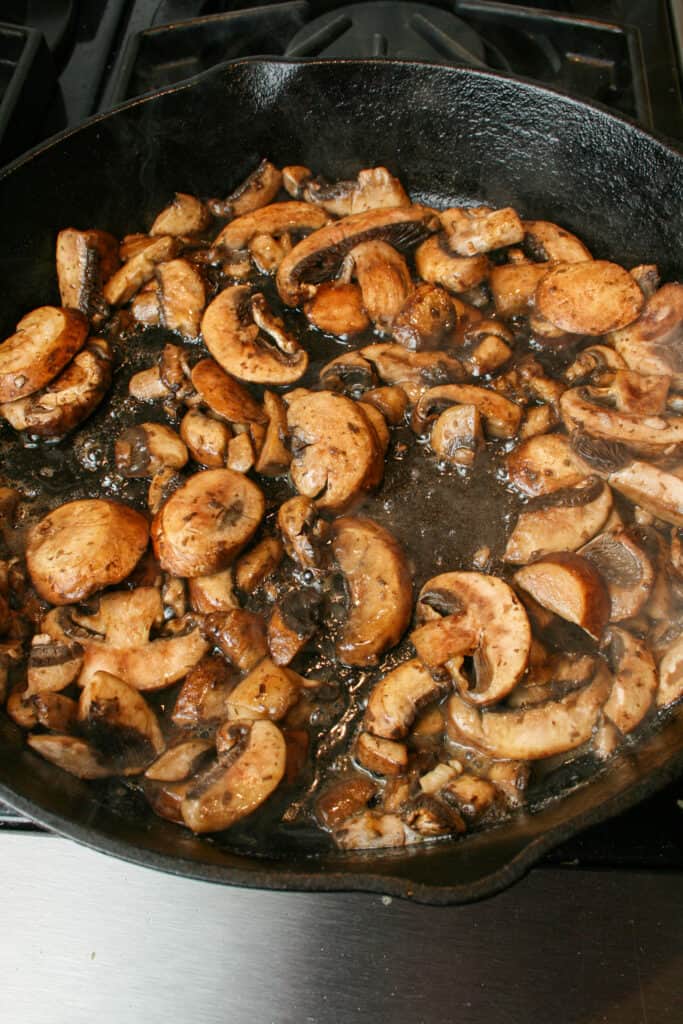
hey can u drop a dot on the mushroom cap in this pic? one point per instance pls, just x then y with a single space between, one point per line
570 586
225 396
396 699
83 546
207 522
582 410
576 515
635 680
379 585
593 297
275 219
44 342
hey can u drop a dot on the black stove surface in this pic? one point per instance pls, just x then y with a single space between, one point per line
63 61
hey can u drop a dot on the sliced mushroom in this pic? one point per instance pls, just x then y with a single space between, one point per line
52 664
119 723
269 691
268 253
241 456
185 215
576 515
54 711
147 448
254 567
302 531
545 464
274 219
652 343
42 345
587 410
531 733
180 761
415 372
569 586
374 188
383 757
335 453
457 435
258 189
489 354
125 617
84 260
383 278
651 488
596 364
474 797
513 287
635 680
547 242
647 277
589 298
295 177
274 457
238 784
318 257
480 229
226 397
162 486
138 270
337 308
206 438
469 614
426 320
349 373
371 830
626 569
379 586
232 328
206 522
203 698
69 399
344 798
181 297
392 402
147 385
501 416
213 593
293 622
83 546
396 699
671 675
435 262
71 754
240 635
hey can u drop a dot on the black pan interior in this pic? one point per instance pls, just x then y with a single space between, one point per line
452 136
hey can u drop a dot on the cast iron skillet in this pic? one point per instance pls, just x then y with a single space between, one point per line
450 135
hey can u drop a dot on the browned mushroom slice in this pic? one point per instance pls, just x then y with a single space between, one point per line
396 699
138 270
415 372
457 436
181 297
383 757
185 215
379 586
344 798
335 453
480 229
635 680
349 373
206 438
269 691
596 364
435 262
119 723
501 416
626 569
589 298
670 687
384 280
371 830
469 614
52 664
582 409
374 188
548 242
254 567
55 712
225 396
293 622
274 457
258 189
240 635
318 257
42 345
569 586
147 385
69 399
235 326
392 402
275 219
295 177
303 533
180 761
513 287
647 277
426 320
545 464
147 448
651 488
84 260
652 343
213 593
123 617
83 546
240 782
241 456
575 516
474 797
162 486
337 308
206 522
531 733
203 698
145 306
71 754
268 253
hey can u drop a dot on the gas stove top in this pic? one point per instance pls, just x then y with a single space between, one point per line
61 65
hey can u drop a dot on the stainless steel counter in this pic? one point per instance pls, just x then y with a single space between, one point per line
84 938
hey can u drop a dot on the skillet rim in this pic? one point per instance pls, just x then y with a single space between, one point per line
354 879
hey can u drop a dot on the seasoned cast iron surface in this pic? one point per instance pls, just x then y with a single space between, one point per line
451 136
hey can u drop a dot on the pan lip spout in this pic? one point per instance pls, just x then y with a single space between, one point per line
231 67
